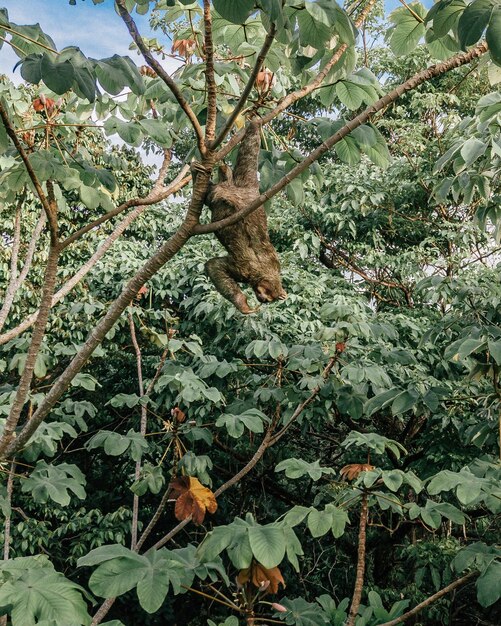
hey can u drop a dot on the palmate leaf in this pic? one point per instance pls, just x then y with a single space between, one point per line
55 482
473 21
408 30
302 613
33 598
267 544
121 570
234 12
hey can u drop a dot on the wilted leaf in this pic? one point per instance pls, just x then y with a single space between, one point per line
350 472
262 578
192 499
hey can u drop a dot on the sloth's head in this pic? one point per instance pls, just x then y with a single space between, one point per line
269 291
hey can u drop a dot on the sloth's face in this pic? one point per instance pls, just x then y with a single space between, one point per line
268 291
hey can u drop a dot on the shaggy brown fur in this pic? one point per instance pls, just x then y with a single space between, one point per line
251 258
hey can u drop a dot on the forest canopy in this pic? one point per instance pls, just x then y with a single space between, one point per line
259 382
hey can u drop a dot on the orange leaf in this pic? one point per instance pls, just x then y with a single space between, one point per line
350 472
178 415
192 498
262 578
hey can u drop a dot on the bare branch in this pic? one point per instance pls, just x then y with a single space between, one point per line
47 203
9 299
180 181
436 596
144 421
359 579
210 80
248 88
419 78
165 252
13 278
155 65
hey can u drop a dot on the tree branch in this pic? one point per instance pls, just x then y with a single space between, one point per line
10 295
419 78
359 579
165 252
8 441
270 37
210 80
155 65
436 596
47 203
177 184
143 424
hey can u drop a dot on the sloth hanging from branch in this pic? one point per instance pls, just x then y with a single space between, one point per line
251 258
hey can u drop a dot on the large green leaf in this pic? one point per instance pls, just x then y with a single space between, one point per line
55 482
57 76
235 12
445 15
473 21
408 28
37 595
489 584
267 544
493 35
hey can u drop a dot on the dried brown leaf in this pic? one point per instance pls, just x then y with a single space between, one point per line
350 472
192 498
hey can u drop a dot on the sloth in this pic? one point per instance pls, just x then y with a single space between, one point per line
251 257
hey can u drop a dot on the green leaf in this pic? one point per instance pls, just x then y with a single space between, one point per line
234 12
473 21
445 15
158 131
489 585
55 482
407 30
302 613
296 468
339 520
267 544
472 149
393 479
319 522
493 35
404 401
31 68
495 350
57 76
37 595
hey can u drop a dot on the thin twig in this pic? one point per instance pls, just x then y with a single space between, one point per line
155 65
270 37
436 596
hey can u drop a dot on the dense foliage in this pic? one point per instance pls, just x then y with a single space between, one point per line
333 459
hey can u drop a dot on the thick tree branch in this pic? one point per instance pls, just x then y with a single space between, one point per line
8 438
419 78
270 37
155 65
176 185
47 203
165 252
436 596
359 578
210 79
